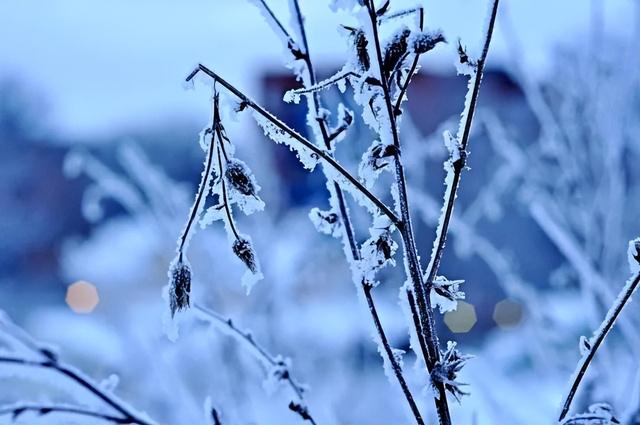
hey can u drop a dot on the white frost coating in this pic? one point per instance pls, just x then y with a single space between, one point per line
585 345
446 293
212 214
452 145
633 256
249 280
276 373
308 158
110 383
379 249
327 222
332 175
205 137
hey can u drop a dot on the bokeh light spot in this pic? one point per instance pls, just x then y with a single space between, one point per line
462 319
82 297
507 313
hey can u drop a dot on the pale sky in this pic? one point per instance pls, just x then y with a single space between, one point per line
103 65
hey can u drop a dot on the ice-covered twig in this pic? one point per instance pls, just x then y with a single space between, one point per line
43 358
269 361
462 140
306 144
595 342
271 18
294 94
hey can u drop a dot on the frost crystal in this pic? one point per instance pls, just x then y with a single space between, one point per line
446 293
308 158
585 345
327 222
379 249
374 161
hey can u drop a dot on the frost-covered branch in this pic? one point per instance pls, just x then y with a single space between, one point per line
31 354
458 147
590 346
306 144
275 366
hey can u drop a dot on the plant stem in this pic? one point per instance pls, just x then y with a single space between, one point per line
426 320
600 334
348 228
452 189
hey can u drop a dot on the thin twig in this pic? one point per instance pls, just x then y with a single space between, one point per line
202 189
599 336
259 352
452 189
328 159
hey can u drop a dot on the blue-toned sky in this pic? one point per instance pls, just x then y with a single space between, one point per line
103 65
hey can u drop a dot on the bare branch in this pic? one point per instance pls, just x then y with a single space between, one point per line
261 354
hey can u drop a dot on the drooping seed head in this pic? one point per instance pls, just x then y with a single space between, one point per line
244 251
180 287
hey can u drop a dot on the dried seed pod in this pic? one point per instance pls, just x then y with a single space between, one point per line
425 41
239 177
244 251
395 50
360 43
180 288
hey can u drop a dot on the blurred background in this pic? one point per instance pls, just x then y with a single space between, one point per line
99 162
